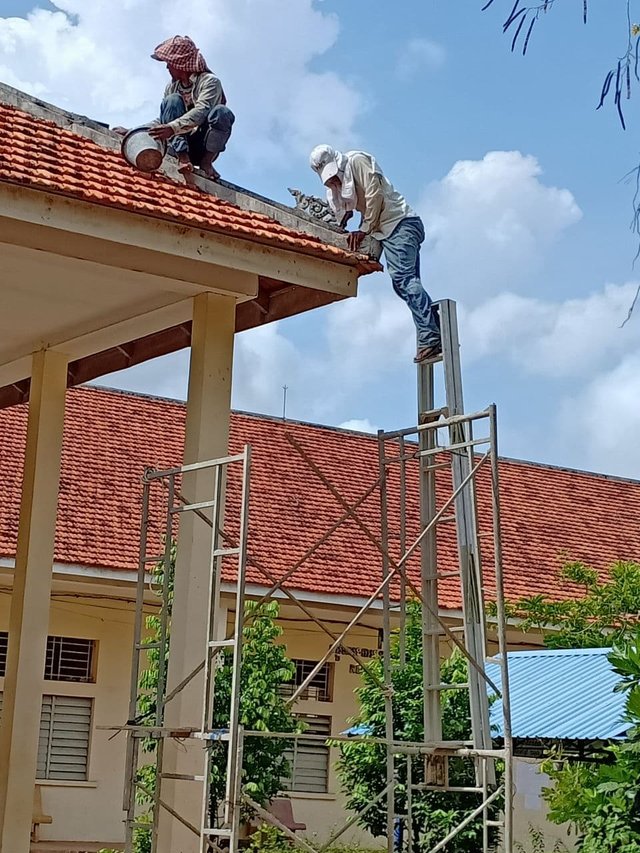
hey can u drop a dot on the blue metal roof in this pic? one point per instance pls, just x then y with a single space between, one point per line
561 694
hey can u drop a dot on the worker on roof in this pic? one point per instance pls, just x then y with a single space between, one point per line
354 181
194 117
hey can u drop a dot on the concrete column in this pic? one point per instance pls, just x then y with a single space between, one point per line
207 437
29 618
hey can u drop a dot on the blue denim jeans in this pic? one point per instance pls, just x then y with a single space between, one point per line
211 137
402 254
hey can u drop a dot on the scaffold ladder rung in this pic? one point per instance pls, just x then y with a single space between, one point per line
221 644
182 777
226 552
192 507
433 415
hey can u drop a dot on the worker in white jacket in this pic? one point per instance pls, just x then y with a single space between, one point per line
354 181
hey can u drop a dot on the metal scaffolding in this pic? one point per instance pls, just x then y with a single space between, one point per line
163 499
446 448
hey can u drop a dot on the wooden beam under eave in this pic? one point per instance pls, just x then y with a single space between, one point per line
282 303
274 302
128 355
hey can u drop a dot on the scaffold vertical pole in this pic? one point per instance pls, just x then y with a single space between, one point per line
131 760
466 529
431 630
386 655
502 637
236 743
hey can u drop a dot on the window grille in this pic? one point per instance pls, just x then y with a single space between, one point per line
67 658
4 644
319 688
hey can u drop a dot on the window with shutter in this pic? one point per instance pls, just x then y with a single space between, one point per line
65 731
320 686
309 759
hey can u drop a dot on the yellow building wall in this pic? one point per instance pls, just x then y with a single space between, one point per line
323 813
92 810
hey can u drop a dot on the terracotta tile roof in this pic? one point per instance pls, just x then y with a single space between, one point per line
112 436
44 156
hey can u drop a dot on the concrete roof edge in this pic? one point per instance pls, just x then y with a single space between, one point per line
102 135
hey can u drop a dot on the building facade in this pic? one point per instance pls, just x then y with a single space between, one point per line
110 438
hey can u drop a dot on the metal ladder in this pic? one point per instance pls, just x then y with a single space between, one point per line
212 513
460 435
461 454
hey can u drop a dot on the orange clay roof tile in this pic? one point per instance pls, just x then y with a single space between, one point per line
41 155
548 514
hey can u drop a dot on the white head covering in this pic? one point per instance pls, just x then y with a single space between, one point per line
329 163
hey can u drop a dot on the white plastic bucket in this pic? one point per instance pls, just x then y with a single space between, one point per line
143 151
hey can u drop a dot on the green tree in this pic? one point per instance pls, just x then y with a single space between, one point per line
600 800
361 766
607 612
265 668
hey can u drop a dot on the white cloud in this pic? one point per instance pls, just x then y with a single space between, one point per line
486 221
600 424
357 425
358 344
163 377
265 361
417 55
554 339
371 336
93 57
357 347
489 223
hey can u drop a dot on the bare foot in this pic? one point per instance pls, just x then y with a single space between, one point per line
184 164
206 165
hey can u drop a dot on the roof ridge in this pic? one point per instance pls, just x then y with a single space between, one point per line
262 416
591 651
528 463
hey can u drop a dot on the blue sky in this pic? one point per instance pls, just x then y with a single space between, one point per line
515 173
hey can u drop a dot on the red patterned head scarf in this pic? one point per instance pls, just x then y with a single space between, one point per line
181 52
